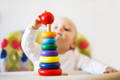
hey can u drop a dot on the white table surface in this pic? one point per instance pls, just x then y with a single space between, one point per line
74 75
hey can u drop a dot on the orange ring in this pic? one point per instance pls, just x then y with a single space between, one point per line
48 34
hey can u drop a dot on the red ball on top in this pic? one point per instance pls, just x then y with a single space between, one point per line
46 18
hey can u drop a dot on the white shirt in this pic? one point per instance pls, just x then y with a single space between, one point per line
69 61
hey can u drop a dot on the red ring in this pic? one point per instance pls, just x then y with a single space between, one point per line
49 72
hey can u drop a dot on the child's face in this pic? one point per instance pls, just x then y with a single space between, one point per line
65 35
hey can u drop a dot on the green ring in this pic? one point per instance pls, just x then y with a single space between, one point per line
48 46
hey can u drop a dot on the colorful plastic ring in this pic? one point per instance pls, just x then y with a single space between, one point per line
48 34
49 53
51 59
49 72
48 41
49 65
48 46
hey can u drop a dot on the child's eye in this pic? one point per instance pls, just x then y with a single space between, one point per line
66 29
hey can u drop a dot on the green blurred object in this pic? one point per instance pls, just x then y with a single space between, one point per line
85 49
13 60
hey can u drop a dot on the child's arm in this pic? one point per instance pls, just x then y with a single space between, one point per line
93 66
29 46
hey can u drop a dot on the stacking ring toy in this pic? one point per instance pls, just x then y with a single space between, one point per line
49 72
50 59
48 41
49 65
48 46
48 34
49 53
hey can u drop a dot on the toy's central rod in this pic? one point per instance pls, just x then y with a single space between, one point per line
49 27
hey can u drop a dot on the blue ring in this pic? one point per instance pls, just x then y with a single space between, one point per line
49 65
49 41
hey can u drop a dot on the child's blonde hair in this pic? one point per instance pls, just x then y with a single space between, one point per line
72 24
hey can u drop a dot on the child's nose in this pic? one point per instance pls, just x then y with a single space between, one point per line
60 28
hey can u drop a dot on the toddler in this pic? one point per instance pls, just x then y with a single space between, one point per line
66 41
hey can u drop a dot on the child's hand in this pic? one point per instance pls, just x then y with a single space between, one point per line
110 70
36 25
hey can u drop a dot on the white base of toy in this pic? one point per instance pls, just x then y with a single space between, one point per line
74 75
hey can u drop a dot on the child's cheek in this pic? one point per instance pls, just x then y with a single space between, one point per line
68 37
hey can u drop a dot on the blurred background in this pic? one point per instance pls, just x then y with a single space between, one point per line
98 20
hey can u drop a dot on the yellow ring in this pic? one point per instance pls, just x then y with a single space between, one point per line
48 34
50 59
